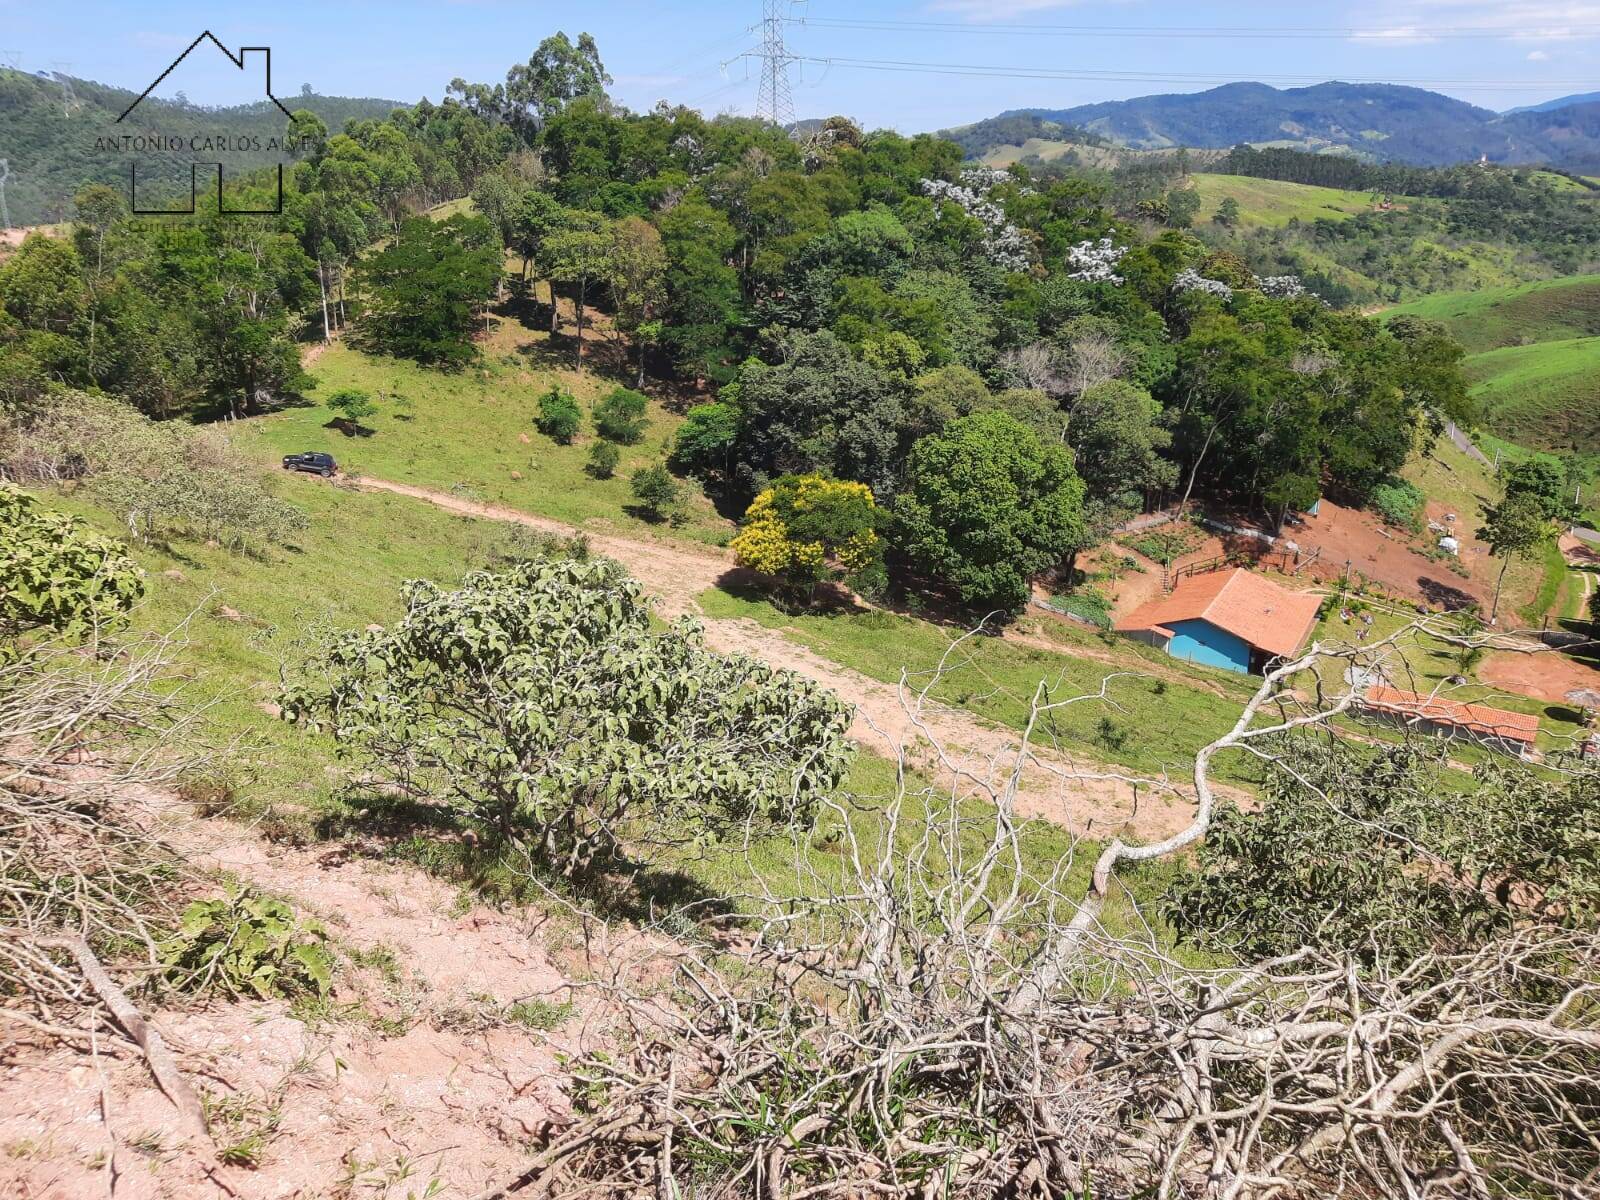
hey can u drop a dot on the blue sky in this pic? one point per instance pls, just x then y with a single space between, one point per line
1496 54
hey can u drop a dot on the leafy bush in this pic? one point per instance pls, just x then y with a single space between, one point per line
705 441
162 478
56 573
352 404
620 416
1087 605
538 704
248 944
655 490
1366 854
1399 503
805 528
559 416
603 459
1166 543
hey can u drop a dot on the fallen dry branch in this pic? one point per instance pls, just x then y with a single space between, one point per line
933 1013
167 1075
86 729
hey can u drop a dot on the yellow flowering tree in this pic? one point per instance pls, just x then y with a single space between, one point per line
805 529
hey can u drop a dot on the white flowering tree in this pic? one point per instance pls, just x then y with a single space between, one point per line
1282 287
1006 246
1190 280
1095 261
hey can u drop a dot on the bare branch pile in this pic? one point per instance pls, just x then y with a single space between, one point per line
938 1016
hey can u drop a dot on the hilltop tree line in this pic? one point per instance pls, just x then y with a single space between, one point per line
857 306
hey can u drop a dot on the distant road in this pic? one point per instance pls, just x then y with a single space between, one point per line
1464 443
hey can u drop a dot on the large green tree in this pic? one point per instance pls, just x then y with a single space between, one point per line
820 410
986 507
422 292
557 73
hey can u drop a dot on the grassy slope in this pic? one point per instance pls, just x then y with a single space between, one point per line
1534 356
1463 485
1545 395
1547 311
1156 725
464 430
246 616
440 430
1273 202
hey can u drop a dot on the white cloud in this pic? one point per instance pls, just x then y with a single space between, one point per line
1517 20
1537 56
1409 35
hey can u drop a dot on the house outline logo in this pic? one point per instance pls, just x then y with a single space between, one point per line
237 60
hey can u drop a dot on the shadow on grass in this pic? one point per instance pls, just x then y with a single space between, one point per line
384 827
349 428
828 599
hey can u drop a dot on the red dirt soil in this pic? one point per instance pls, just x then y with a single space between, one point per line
1547 676
1348 535
450 1097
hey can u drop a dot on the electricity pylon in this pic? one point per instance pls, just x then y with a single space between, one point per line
773 100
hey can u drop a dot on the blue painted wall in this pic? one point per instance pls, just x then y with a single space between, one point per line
1202 642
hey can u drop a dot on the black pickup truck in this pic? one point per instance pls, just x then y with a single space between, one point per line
313 461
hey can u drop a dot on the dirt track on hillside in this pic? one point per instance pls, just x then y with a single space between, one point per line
886 717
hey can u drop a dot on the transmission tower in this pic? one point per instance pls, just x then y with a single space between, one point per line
5 213
69 98
12 58
774 101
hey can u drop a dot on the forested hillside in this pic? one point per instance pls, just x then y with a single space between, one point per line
50 133
1360 233
1377 122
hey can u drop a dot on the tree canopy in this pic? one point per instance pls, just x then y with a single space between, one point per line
987 506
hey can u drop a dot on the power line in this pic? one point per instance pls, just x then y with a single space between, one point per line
989 71
1406 33
774 99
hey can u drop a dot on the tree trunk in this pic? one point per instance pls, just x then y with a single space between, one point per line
322 286
1494 608
1195 470
583 286
555 320
639 385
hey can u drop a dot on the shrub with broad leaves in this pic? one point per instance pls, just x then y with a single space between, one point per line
56 573
247 944
539 705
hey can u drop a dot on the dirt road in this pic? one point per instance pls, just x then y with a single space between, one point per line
675 573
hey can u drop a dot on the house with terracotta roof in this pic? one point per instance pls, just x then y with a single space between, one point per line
1508 732
1235 619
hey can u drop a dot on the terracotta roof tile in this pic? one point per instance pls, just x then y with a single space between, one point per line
1247 605
1477 718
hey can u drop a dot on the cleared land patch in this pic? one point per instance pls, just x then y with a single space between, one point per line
1274 202
1495 318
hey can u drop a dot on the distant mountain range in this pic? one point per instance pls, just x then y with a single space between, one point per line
48 133
1558 102
1381 122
